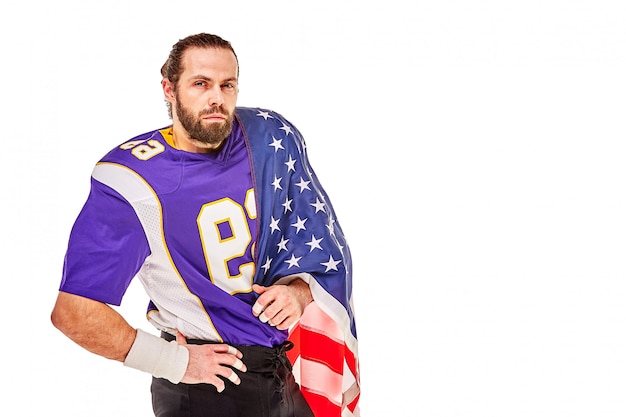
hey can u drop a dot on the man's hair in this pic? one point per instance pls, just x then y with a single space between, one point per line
173 68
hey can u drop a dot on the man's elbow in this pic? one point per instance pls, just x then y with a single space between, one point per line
63 314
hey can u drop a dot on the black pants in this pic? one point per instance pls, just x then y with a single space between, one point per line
267 389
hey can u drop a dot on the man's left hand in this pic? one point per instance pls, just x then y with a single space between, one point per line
282 305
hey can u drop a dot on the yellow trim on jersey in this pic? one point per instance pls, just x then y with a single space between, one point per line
168 135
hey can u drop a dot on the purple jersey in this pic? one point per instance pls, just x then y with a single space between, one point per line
198 229
185 224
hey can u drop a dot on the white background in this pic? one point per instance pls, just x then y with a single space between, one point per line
474 152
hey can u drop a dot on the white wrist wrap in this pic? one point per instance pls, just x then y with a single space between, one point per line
162 359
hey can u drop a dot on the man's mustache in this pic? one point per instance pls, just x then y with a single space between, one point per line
213 110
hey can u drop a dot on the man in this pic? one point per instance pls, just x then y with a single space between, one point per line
224 222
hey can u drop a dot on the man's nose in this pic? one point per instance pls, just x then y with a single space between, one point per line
216 97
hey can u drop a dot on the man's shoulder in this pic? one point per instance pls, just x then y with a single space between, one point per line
257 121
140 147
147 159
263 113
260 116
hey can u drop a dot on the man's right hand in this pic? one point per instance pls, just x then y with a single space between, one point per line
207 362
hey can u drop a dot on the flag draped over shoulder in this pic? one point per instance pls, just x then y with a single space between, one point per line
299 235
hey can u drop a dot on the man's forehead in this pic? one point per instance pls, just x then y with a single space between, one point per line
197 58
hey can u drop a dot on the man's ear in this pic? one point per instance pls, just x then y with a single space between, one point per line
168 90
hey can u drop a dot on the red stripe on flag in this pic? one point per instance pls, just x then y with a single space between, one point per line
320 405
352 406
323 356
351 361
294 337
319 348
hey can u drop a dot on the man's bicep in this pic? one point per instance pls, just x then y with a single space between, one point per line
107 247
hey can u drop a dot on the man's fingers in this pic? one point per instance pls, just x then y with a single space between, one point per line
240 365
258 288
263 317
234 378
274 318
257 308
180 339
220 385
237 364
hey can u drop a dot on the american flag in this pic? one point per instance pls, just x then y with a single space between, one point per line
300 235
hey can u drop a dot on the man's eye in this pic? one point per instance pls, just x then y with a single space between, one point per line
199 83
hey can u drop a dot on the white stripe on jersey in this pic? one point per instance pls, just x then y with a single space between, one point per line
163 283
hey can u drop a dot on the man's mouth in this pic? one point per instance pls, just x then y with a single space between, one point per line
214 117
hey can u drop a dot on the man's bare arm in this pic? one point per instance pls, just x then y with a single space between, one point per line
93 325
101 330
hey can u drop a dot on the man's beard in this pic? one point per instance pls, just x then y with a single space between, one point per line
214 134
